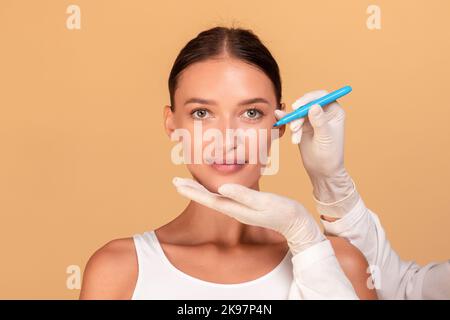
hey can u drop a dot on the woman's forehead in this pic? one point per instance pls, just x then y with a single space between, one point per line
225 80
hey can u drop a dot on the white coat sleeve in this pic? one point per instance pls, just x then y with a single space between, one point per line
317 275
393 278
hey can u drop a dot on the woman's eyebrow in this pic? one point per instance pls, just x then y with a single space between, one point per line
212 102
200 101
253 100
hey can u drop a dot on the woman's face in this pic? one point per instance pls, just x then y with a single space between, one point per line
223 94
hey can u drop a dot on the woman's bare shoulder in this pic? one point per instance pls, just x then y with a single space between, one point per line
111 272
354 265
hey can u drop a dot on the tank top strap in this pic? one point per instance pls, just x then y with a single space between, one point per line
152 272
146 247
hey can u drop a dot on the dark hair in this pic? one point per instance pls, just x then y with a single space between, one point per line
238 43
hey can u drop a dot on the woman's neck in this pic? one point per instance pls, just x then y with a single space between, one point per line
213 226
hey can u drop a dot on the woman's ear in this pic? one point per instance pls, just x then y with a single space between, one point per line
169 123
282 128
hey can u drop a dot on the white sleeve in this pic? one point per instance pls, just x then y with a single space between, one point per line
393 278
318 275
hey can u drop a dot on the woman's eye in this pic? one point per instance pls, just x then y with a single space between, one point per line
199 113
253 114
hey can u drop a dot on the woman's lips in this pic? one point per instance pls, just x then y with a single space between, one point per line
227 168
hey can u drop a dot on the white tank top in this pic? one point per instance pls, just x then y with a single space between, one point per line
158 278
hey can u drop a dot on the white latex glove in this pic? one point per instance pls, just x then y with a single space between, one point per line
320 137
257 208
316 271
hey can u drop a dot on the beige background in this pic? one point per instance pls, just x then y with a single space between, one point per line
84 158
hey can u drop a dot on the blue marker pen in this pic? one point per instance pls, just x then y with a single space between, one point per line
303 110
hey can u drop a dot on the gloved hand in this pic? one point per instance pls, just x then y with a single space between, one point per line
316 271
320 137
257 208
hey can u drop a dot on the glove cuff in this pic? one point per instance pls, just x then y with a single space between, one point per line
338 209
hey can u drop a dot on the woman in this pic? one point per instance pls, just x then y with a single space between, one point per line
224 78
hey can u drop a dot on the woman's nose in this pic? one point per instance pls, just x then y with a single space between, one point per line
228 127
228 122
